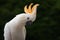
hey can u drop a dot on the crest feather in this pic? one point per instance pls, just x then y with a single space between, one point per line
25 9
29 10
34 6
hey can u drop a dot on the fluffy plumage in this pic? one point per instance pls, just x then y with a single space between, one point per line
15 28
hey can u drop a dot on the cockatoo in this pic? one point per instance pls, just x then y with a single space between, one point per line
15 28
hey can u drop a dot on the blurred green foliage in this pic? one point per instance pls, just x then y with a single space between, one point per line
47 24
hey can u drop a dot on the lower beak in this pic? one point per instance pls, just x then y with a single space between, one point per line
28 23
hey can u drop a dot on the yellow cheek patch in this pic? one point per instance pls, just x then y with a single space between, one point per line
29 10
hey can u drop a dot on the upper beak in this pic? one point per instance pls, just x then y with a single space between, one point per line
28 22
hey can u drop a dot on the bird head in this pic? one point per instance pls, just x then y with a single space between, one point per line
30 13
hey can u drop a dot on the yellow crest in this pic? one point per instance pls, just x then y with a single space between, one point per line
29 9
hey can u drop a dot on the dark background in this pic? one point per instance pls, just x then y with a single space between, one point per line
47 24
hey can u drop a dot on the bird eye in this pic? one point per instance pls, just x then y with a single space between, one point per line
28 18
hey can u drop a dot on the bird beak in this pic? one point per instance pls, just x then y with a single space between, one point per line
28 23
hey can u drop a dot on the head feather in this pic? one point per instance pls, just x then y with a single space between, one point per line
34 7
29 10
25 9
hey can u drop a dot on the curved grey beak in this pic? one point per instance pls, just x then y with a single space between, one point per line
28 23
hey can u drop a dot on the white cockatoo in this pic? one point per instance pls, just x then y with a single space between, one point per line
15 29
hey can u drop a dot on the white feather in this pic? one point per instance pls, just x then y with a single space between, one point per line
15 29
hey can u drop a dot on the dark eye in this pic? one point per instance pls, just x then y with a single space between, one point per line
28 18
